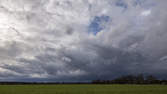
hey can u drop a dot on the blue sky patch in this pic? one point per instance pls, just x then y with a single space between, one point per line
138 2
121 3
144 4
95 25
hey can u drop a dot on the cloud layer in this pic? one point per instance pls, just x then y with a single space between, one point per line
74 40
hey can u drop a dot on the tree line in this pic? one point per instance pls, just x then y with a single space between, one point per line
132 79
127 79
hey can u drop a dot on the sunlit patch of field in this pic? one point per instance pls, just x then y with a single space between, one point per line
83 89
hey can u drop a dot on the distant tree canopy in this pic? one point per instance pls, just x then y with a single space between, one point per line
132 79
128 79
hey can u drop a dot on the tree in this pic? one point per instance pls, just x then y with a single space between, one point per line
151 79
140 79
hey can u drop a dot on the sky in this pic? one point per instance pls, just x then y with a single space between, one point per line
82 40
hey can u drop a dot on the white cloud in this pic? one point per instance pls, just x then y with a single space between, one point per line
146 13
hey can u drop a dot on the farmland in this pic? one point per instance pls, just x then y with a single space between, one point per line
83 89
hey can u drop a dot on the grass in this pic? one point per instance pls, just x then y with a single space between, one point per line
83 89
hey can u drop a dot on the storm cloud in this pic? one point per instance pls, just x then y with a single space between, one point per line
82 40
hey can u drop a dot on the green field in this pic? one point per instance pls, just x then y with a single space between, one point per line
83 89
